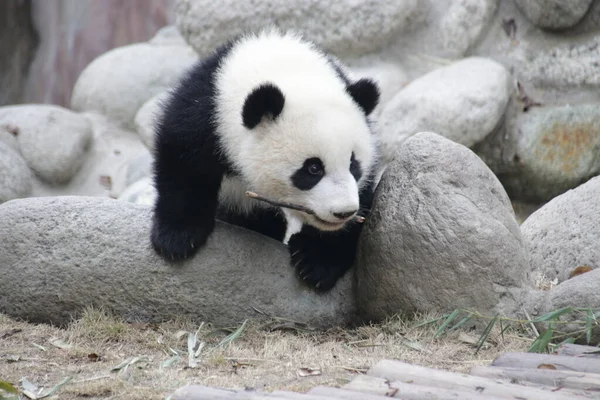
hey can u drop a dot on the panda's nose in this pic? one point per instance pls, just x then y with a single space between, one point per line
344 214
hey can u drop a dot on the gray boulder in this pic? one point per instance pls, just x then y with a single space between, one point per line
554 14
9 137
145 118
140 192
120 81
564 234
442 235
15 176
463 101
578 292
61 254
545 151
115 158
53 140
346 27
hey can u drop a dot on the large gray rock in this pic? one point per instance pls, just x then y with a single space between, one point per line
53 140
120 81
145 118
15 176
462 24
564 234
545 151
116 158
463 102
554 14
345 27
578 292
442 235
61 254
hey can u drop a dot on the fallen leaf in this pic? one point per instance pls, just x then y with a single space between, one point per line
93 357
582 269
546 366
308 371
465 338
8 387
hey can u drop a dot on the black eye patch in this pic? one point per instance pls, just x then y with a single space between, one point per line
307 176
355 168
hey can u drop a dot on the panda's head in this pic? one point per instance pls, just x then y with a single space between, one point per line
310 146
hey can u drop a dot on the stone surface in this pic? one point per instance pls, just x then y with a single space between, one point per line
120 81
52 139
554 14
15 175
67 253
345 27
463 101
113 161
545 151
140 192
139 167
146 116
564 234
442 235
578 292
462 24
7 135
168 36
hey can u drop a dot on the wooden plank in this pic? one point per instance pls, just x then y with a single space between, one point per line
577 350
535 360
399 371
580 381
198 392
298 396
337 393
410 391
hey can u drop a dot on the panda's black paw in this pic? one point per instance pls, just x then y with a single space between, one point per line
313 266
178 244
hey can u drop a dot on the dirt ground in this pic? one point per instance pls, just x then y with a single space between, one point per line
267 356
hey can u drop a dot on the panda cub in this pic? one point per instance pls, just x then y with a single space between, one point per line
273 114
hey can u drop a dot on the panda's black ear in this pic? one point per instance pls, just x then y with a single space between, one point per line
365 93
265 100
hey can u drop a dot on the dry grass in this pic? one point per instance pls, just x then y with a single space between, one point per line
261 358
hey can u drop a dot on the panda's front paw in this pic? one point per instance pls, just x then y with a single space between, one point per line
313 266
178 244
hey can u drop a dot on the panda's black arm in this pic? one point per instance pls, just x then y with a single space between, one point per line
187 185
322 258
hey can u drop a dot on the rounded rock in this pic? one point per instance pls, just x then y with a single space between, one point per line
97 251
551 150
53 140
119 82
463 102
441 235
563 235
146 116
344 27
554 14
15 176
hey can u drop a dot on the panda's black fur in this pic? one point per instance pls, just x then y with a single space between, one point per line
190 165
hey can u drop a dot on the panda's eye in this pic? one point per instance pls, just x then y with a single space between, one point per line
315 169
309 174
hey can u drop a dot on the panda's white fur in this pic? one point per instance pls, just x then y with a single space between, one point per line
319 119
